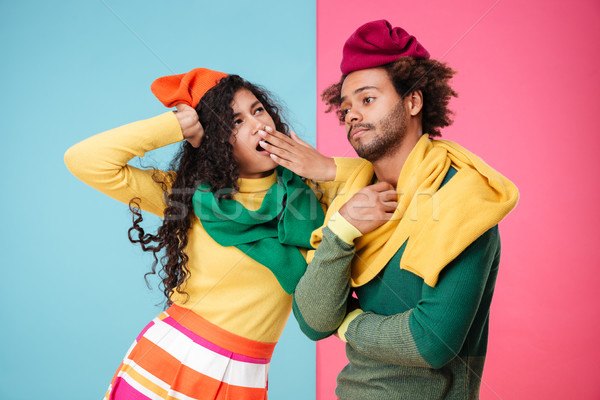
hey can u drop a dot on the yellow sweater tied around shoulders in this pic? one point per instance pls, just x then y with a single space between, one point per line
438 224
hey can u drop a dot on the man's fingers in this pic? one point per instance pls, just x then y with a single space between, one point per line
380 187
389 206
388 195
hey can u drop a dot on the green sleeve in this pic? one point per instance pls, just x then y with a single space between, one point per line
321 296
432 333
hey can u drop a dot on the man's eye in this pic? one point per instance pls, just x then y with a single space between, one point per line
345 111
369 99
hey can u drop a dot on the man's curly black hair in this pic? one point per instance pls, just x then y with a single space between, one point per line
431 77
213 163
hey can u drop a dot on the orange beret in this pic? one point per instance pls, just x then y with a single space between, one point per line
185 88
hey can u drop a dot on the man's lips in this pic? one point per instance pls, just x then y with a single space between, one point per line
357 132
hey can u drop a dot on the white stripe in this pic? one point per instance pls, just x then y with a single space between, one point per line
205 361
155 320
158 382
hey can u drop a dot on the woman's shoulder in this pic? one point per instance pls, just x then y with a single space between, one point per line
346 166
350 162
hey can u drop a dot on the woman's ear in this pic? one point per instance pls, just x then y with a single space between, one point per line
415 102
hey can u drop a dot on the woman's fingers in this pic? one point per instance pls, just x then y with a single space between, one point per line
279 144
277 138
183 107
298 140
191 128
296 155
282 161
277 151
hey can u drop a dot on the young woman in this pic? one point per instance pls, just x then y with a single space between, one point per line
231 245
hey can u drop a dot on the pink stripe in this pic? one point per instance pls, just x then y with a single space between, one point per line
211 346
144 331
124 391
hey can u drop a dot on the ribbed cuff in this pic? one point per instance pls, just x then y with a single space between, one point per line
343 229
344 326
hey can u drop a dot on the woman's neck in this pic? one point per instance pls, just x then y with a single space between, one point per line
257 184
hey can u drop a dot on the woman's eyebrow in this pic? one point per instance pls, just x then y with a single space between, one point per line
257 102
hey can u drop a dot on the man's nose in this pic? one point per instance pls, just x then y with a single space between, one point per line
353 116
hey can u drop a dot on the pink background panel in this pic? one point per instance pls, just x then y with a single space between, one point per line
528 81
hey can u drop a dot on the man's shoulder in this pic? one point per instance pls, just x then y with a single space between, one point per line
487 246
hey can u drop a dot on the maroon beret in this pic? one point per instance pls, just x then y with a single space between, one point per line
377 43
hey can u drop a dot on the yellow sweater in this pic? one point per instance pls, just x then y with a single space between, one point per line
225 286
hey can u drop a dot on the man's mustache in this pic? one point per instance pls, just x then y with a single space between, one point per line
359 125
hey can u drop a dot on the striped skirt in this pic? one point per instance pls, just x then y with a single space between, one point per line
180 355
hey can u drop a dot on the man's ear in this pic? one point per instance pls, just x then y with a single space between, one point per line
415 102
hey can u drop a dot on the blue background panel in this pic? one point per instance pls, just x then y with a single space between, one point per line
73 284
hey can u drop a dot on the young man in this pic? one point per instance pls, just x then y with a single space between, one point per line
414 234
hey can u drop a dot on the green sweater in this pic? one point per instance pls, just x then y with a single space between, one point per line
413 341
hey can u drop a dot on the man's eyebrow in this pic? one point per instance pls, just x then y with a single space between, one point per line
257 102
357 91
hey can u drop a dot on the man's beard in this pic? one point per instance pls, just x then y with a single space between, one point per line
390 133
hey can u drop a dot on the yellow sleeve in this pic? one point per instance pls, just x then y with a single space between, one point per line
342 228
346 166
344 326
327 191
101 161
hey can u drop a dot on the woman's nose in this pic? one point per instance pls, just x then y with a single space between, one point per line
257 125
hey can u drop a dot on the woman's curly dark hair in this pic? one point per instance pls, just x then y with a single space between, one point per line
211 163
431 77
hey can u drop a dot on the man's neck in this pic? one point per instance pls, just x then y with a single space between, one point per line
388 168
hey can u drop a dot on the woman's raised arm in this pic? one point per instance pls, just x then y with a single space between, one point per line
101 161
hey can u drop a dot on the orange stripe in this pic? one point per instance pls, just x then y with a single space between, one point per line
165 367
181 378
162 315
219 336
224 391
187 382
228 392
184 379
